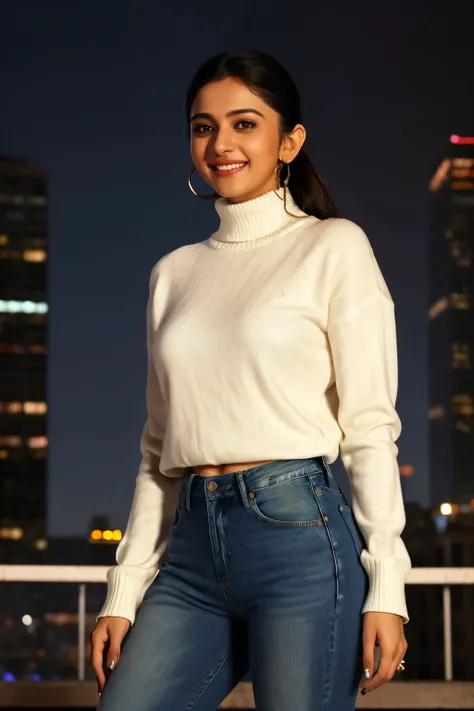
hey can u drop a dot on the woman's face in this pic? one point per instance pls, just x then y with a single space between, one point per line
236 141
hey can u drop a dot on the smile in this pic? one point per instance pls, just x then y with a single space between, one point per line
229 169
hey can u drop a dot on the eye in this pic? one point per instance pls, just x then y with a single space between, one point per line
246 124
201 128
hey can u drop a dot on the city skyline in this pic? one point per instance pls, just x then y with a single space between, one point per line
108 123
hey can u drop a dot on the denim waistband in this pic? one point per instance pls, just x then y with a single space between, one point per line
247 480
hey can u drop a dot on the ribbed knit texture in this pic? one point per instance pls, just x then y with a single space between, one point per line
273 339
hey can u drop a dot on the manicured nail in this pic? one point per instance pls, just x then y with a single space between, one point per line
367 673
111 664
363 692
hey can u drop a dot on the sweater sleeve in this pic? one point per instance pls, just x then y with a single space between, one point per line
141 550
362 337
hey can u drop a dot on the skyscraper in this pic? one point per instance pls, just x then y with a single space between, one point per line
23 349
451 329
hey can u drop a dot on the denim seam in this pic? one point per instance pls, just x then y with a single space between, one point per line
329 660
283 524
331 542
208 681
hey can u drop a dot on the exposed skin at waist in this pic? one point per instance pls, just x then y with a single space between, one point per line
213 470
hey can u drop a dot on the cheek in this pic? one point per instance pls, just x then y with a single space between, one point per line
263 152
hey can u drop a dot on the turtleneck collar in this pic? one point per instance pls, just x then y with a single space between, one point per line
254 221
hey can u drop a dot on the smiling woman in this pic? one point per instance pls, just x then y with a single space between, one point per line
271 347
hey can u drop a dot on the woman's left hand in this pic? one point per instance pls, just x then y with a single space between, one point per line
386 631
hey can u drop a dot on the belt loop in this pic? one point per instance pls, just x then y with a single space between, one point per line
188 491
243 490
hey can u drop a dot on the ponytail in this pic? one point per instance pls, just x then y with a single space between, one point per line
308 190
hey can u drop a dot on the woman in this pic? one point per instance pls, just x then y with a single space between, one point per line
270 346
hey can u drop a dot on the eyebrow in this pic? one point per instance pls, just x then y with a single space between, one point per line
235 112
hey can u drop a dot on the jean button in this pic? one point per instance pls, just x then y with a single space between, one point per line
212 486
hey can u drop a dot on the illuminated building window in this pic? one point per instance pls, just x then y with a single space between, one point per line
460 301
463 404
37 348
438 307
461 253
35 408
4 453
11 441
37 442
10 408
436 412
34 255
463 162
13 533
10 254
462 184
38 200
3 240
462 173
41 544
26 307
460 356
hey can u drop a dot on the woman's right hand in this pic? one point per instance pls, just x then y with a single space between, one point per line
106 640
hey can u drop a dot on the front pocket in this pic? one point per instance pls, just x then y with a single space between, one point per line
348 517
287 504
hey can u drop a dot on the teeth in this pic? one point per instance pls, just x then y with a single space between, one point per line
230 167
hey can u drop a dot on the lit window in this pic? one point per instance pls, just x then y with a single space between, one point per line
38 200
462 185
11 441
460 301
35 408
14 533
463 162
26 307
438 307
37 442
37 348
41 544
436 412
34 255
460 356
463 404
4 454
461 253
10 408
3 240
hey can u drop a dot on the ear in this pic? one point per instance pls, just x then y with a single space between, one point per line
292 143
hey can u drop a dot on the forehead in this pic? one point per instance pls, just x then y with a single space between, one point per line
225 95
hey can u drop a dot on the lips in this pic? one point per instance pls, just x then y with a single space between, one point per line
228 168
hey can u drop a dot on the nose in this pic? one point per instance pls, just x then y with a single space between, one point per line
224 141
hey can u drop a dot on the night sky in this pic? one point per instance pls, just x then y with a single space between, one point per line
94 90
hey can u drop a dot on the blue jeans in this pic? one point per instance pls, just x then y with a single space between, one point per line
262 574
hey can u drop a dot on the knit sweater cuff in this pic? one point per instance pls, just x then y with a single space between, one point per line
124 593
387 578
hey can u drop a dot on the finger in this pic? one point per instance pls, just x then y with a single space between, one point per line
113 654
383 672
368 657
98 645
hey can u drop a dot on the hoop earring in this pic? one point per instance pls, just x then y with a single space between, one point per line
201 197
287 176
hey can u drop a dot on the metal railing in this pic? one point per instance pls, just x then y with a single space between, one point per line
82 575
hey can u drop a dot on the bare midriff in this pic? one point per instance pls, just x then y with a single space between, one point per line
213 470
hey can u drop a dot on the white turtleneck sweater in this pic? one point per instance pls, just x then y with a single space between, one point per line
273 339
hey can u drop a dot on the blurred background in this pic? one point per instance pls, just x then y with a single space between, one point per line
93 191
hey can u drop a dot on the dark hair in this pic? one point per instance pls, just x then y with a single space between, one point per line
266 77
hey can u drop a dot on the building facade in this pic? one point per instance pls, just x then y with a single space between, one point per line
23 349
451 326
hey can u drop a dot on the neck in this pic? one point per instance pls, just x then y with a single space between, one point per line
251 221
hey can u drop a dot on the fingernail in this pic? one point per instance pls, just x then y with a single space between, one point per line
111 664
367 673
363 692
